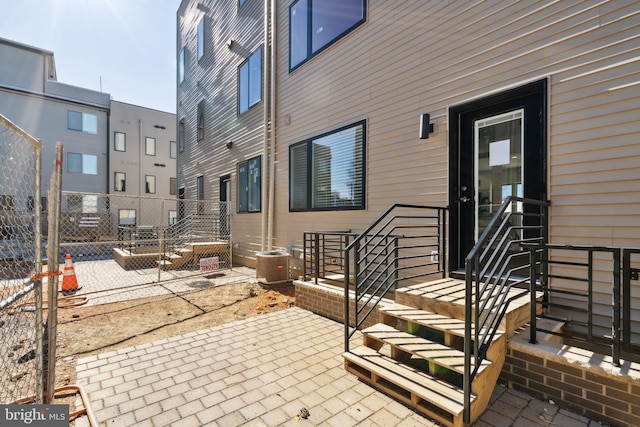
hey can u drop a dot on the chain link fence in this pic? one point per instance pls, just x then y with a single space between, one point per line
120 242
21 323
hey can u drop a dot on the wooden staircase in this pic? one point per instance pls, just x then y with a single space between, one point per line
416 353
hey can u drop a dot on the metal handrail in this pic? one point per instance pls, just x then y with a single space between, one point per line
380 259
499 262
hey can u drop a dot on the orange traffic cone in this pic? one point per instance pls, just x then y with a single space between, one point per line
69 281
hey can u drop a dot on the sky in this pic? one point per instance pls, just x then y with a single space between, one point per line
123 47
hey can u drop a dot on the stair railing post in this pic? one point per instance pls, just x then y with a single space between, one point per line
316 256
466 382
616 309
346 300
533 277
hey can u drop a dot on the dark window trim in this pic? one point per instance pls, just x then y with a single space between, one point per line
311 54
246 62
309 159
200 120
181 132
248 192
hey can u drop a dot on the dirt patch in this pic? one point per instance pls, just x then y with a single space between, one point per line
83 331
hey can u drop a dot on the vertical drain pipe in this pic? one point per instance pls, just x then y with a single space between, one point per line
272 120
265 127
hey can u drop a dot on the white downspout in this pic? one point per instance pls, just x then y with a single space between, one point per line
272 119
265 127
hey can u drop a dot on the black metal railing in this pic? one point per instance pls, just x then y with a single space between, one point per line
405 245
498 270
323 253
575 293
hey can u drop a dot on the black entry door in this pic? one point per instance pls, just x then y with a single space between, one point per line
497 149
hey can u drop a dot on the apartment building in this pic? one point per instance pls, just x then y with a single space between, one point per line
33 98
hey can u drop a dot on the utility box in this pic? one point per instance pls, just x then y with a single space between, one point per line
272 267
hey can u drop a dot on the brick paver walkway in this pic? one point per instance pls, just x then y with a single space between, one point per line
262 371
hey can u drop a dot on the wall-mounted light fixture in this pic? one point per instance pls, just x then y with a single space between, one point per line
160 165
159 127
425 127
230 43
229 144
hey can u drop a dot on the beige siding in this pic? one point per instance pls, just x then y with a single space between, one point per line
424 57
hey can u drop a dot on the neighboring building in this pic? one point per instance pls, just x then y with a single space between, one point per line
101 137
142 159
32 98
220 112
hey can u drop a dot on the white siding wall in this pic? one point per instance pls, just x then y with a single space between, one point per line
214 79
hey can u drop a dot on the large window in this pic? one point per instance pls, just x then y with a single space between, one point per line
181 136
201 38
150 146
120 141
314 25
150 184
250 77
181 66
249 185
200 120
119 181
126 217
82 122
327 172
173 151
82 163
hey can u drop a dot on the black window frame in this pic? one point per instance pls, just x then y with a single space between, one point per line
247 63
200 120
181 135
308 167
310 33
245 195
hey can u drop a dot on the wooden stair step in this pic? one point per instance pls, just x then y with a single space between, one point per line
442 355
429 395
428 319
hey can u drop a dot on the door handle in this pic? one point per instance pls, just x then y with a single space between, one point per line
464 199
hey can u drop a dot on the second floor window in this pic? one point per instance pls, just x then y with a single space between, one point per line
181 136
82 163
181 66
173 152
250 81
314 25
201 38
150 184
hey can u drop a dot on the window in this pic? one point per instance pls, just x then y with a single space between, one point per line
173 150
200 120
173 186
249 185
82 163
173 217
201 38
181 136
126 217
120 141
200 193
241 2
250 76
150 184
327 172
82 122
314 25
119 181
181 66
82 204
150 146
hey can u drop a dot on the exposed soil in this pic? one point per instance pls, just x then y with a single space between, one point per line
83 331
